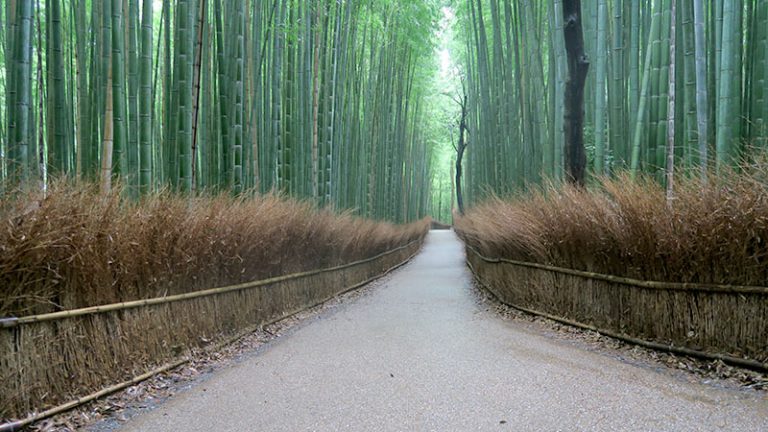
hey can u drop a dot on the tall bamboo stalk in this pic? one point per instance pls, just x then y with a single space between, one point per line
146 97
729 93
600 84
19 116
183 81
119 156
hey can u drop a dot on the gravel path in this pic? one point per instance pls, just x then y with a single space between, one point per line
420 354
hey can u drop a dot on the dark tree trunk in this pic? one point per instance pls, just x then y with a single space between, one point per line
460 154
578 65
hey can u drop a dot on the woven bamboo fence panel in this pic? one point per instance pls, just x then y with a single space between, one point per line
49 359
726 320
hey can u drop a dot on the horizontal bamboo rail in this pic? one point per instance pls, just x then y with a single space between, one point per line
657 286
20 424
671 286
13 322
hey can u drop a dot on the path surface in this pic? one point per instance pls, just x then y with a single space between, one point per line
419 354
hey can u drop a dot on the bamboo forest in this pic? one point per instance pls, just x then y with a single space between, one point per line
315 99
354 103
671 84
185 181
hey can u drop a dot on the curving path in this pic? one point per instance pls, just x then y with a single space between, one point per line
419 354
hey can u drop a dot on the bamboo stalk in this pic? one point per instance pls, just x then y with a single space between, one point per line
182 78
107 145
600 83
670 160
702 97
146 98
196 73
118 73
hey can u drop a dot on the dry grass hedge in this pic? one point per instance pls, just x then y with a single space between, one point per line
711 234
75 247
716 233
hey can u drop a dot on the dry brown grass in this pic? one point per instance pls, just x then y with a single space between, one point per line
707 234
76 248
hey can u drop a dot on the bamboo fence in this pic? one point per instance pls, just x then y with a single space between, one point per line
724 322
49 359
